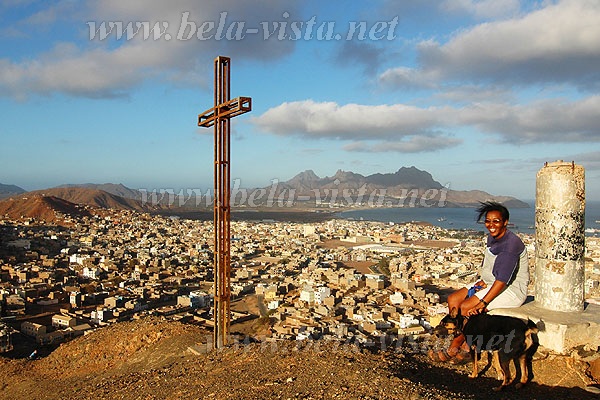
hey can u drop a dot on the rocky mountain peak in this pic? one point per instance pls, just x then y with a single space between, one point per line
410 177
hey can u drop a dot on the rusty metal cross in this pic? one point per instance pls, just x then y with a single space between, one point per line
220 116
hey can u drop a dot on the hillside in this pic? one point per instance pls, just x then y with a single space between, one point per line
155 359
132 199
47 205
93 197
46 208
85 196
115 189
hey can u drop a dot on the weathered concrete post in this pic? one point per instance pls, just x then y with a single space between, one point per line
560 237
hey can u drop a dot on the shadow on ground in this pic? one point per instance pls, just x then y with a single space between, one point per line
447 377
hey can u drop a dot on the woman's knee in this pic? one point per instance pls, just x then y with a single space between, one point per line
457 297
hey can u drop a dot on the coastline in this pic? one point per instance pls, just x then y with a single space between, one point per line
453 218
271 214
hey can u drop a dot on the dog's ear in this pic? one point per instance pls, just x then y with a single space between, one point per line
454 312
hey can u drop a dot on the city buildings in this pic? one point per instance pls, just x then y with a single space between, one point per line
351 280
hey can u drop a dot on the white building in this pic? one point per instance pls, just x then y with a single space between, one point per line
63 321
307 294
397 298
75 299
321 293
91 272
78 258
405 321
101 315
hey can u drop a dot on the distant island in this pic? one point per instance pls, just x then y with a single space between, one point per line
407 187
306 193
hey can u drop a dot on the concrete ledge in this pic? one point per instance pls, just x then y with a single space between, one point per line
560 332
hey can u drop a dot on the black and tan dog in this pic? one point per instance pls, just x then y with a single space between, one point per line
505 338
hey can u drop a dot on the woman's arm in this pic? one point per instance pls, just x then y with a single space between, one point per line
495 290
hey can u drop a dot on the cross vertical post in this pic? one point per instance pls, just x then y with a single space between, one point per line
220 118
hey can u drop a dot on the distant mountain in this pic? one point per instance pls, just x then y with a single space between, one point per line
305 180
45 208
116 197
10 190
474 197
410 178
96 198
116 189
44 204
406 187
155 200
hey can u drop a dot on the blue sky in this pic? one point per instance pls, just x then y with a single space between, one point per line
478 93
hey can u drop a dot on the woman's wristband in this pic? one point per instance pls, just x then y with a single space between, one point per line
485 303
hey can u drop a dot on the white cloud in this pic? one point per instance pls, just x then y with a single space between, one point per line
403 77
106 68
51 15
406 128
558 43
39 22
381 128
475 94
95 73
351 121
548 121
413 144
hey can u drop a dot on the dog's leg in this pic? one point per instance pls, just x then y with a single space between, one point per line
524 371
475 359
505 364
505 367
496 364
489 357
503 370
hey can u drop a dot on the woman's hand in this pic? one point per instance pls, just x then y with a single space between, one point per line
478 309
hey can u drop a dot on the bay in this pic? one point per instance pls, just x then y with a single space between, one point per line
522 219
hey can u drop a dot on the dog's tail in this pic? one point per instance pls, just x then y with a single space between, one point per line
530 340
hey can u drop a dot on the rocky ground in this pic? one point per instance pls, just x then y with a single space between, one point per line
156 359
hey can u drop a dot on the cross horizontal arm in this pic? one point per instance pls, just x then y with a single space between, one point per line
229 109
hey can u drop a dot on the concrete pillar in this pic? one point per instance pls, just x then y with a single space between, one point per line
560 237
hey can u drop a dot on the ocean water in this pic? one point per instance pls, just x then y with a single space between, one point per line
521 219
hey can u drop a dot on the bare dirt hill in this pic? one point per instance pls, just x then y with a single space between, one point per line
154 359
92 197
45 208
46 205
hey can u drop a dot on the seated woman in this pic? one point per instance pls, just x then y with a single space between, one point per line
504 277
